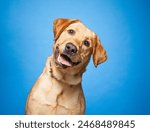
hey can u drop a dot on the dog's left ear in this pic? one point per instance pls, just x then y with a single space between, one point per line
99 53
60 24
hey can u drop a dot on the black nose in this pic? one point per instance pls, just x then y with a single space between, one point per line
70 49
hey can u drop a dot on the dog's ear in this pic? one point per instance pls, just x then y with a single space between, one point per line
99 53
60 24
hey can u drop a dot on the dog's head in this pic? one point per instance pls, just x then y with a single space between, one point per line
75 43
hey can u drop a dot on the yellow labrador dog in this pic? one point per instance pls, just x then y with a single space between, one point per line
58 90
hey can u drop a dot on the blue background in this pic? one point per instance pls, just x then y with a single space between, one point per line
119 86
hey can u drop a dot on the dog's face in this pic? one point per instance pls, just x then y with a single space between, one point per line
75 43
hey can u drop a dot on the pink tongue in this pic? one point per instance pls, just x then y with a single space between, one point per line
64 62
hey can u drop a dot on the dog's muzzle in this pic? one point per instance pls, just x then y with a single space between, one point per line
63 59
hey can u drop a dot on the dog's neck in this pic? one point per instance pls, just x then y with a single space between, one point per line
70 78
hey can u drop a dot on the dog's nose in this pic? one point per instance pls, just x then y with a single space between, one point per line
70 48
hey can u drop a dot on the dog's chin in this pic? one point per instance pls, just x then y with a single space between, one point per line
63 60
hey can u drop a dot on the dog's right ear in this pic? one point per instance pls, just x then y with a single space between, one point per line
59 26
99 53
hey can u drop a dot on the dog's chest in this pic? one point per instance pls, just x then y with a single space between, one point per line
59 98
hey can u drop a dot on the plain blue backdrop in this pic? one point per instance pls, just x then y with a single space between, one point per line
121 85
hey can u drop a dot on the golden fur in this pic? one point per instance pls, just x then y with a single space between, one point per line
58 90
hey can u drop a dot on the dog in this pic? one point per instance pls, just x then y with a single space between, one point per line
58 90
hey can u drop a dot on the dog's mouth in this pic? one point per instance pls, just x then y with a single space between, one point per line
63 60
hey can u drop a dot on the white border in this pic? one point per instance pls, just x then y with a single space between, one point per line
7 122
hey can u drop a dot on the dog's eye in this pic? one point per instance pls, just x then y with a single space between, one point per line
86 43
71 31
